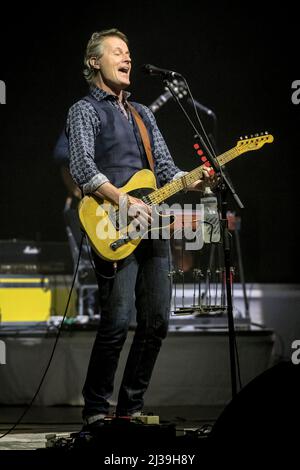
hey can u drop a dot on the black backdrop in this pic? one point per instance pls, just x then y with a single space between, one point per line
239 62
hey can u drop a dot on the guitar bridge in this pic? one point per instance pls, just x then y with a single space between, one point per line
122 241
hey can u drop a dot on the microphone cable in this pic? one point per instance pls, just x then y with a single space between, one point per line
53 349
208 141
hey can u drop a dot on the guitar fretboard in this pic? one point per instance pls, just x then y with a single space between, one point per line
161 194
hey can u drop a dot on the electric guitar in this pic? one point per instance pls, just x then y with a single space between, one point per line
114 237
178 87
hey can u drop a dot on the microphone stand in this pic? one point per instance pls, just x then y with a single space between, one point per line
225 188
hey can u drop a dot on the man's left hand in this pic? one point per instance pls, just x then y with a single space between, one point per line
208 180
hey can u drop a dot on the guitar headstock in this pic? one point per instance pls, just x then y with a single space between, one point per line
178 87
254 142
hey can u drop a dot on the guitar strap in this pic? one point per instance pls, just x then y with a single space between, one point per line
144 135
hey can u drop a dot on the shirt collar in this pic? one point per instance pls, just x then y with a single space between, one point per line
100 94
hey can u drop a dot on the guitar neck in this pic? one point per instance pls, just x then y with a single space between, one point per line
160 101
177 185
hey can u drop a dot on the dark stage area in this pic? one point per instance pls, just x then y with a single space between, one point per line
241 67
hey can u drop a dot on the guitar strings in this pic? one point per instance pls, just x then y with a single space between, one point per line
159 195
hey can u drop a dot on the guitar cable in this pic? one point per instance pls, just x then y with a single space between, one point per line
53 348
115 264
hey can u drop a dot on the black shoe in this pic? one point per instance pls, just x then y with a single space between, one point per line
92 424
93 427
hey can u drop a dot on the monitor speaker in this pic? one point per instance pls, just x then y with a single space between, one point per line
267 407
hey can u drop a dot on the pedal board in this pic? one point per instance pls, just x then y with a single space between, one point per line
144 429
140 432
144 419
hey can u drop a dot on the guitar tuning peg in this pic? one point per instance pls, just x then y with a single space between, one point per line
256 135
241 138
246 137
251 136
266 132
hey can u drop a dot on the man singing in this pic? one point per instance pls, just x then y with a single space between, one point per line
106 150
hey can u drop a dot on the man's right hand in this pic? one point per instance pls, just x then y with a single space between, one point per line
137 209
140 211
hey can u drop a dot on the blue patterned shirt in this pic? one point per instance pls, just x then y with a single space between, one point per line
84 125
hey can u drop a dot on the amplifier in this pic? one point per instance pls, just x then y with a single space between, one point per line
34 297
32 257
24 298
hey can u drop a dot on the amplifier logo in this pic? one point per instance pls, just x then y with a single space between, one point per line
296 94
2 92
31 250
2 352
296 354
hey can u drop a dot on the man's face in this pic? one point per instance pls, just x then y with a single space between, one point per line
115 63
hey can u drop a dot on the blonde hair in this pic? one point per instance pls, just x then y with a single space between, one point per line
94 48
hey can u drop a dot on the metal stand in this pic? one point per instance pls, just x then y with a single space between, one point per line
225 187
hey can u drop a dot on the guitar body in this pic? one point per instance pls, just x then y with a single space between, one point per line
99 219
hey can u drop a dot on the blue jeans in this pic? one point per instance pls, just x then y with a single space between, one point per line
143 278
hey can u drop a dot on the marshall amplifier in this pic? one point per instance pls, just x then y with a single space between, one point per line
32 257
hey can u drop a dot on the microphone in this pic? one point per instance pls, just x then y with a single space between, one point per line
152 70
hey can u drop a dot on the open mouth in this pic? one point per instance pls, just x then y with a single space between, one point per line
124 70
